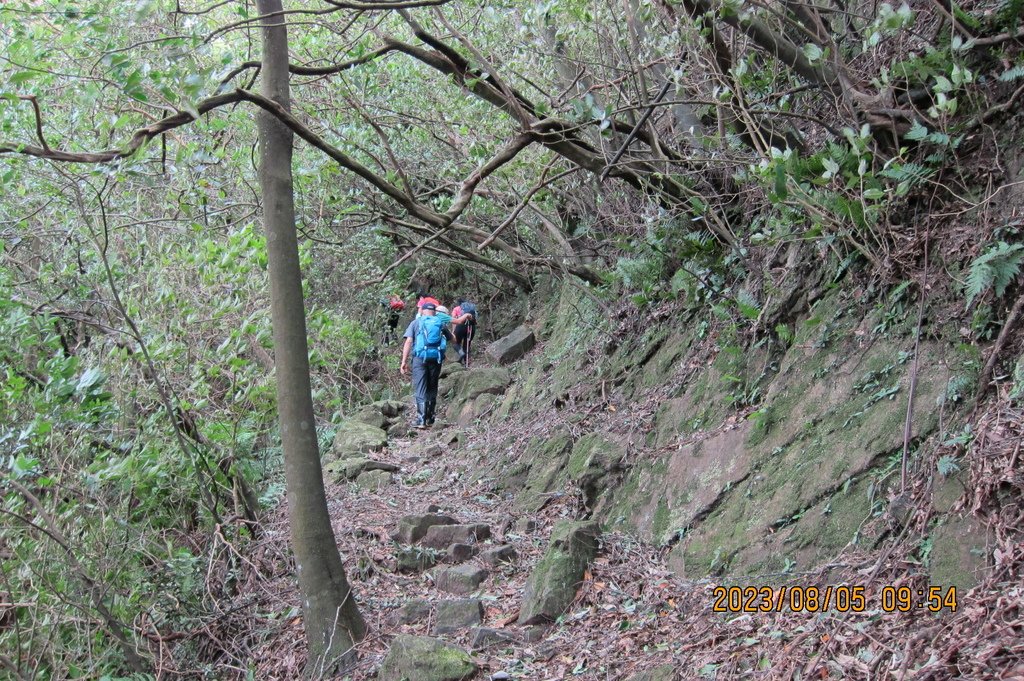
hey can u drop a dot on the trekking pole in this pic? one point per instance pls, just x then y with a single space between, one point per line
469 340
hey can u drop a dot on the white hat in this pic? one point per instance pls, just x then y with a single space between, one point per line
442 309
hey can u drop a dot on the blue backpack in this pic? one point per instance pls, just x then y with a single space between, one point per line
430 340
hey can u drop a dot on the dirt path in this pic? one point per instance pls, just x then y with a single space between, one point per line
630 614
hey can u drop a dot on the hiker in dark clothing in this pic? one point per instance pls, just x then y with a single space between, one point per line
465 328
426 339
394 307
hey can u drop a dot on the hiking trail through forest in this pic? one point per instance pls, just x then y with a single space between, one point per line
463 584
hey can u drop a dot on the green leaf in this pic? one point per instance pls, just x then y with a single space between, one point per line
812 52
90 378
23 76
917 132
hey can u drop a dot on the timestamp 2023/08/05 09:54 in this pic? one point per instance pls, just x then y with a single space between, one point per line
841 598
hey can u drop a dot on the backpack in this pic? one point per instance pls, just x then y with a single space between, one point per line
430 340
469 308
396 304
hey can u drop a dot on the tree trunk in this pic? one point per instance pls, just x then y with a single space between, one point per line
332 620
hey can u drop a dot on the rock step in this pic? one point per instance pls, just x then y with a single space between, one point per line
425 659
412 528
443 536
461 579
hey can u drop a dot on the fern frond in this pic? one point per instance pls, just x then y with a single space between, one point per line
1013 74
996 268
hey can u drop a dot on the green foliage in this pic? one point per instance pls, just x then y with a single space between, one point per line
996 269
947 465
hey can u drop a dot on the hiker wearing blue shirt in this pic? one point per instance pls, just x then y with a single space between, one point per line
426 339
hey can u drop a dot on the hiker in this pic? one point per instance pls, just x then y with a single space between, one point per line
464 320
424 299
426 339
455 317
394 306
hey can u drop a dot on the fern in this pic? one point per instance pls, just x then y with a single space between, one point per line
947 465
1013 74
995 269
748 305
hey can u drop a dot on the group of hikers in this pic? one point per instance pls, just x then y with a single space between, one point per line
427 338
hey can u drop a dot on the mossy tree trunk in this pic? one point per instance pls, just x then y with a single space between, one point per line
332 620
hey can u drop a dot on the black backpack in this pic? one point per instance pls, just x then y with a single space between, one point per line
469 308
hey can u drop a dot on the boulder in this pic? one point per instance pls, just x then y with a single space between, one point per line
399 429
466 386
665 672
415 559
442 536
513 346
505 553
354 438
390 408
552 586
425 659
372 417
462 579
474 409
372 481
350 469
412 528
460 614
414 611
449 368
485 637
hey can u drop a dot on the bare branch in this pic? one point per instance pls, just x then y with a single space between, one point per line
140 137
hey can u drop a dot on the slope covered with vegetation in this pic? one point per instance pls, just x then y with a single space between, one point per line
684 196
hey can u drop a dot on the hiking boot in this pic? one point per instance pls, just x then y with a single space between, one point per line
420 424
421 416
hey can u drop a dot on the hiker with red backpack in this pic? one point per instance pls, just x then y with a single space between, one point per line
426 339
464 318
394 307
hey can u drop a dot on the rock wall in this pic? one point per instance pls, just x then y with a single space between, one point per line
742 455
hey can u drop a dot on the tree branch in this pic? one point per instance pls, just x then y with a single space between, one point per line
140 137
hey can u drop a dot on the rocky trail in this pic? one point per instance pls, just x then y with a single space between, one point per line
456 584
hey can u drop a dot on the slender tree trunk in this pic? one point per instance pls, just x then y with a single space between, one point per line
332 620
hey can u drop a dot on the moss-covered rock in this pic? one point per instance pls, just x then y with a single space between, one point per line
354 438
351 468
547 458
594 457
473 409
959 552
371 416
464 387
373 480
459 614
552 586
418 658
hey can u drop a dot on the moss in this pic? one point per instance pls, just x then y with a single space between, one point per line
547 458
425 659
661 517
552 586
